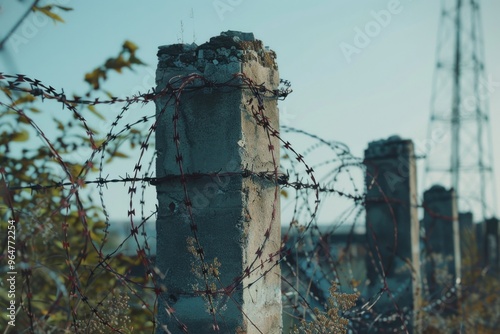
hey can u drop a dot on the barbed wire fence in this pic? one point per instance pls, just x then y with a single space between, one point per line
64 233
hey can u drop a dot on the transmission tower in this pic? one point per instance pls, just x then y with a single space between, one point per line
459 152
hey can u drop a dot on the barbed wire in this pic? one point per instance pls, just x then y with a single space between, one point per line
307 255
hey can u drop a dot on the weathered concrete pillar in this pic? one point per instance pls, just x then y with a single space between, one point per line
217 225
442 238
469 244
392 229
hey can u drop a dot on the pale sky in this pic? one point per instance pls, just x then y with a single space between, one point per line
382 90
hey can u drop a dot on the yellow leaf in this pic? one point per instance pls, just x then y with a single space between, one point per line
119 155
94 131
117 63
134 60
94 76
99 225
6 91
74 169
20 136
46 10
284 193
96 235
99 142
131 47
95 112
22 119
67 9
60 126
24 99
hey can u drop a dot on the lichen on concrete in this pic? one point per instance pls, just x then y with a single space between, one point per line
230 46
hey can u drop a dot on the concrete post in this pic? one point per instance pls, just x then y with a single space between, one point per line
442 238
470 250
392 228
492 246
227 219
466 221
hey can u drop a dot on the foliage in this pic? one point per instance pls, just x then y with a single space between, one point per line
48 10
125 59
475 307
65 278
117 315
332 320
